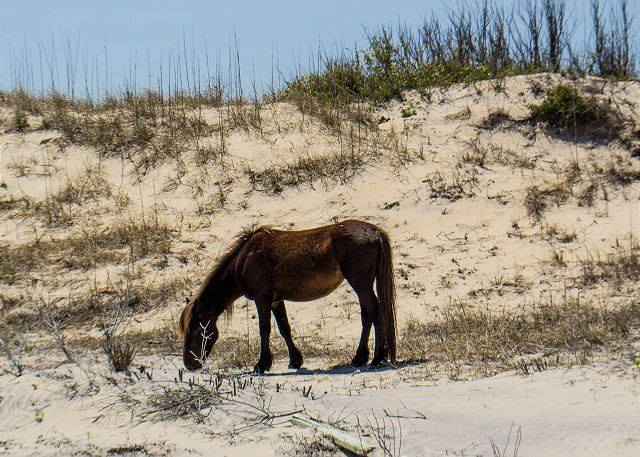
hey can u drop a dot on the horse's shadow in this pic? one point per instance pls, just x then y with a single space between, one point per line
345 369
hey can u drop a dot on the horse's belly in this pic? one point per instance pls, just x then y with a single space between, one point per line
311 287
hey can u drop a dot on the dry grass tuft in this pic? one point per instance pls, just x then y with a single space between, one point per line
452 188
16 262
619 265
92 185
339 167
11 348
243 351
119 350
512 158
581 181
492 340
128 125
127 240
537 198
10 202
619 171
496 118
475 153
19 122
140 238
555 232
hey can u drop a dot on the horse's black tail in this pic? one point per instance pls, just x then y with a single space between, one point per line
386 290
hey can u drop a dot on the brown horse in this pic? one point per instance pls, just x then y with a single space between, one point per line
269 266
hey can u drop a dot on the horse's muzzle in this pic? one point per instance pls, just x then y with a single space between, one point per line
191 363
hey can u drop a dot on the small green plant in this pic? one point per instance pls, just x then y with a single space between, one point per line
498 85
564 107
408 112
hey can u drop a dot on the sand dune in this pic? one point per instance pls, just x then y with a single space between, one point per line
486 218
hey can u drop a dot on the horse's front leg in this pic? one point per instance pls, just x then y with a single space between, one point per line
264 321
280 313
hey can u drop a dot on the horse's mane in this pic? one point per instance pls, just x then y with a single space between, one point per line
224 261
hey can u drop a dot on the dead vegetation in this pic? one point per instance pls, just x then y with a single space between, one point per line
452 187
131 294
241 351
10 202
200 401
124 126
127 240
496 118
340 167
553 232
621 264
538 198
475 154
11 348
90 185
583 181
493 341
316 446
483 154
16 262
119 350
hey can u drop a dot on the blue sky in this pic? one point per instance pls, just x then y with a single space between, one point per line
283 31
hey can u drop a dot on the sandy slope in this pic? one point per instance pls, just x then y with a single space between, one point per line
479 246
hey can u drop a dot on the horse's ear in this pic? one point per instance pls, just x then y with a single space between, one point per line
186 300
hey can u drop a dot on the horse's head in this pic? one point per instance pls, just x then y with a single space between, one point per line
198 328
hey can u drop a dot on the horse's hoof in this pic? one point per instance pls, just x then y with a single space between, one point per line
359 361
296 362
377 362
261 367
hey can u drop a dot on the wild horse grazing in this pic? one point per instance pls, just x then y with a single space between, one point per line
270 266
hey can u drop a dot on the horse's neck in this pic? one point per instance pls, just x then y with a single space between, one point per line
220 293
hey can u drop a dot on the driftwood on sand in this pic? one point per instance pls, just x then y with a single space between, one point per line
356 444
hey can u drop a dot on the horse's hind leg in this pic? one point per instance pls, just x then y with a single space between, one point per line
264 321
362 353
361 280
369 307
280 313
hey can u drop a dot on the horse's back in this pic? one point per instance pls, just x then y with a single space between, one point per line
308 264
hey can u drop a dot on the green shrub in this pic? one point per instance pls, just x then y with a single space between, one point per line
408 112
563 107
